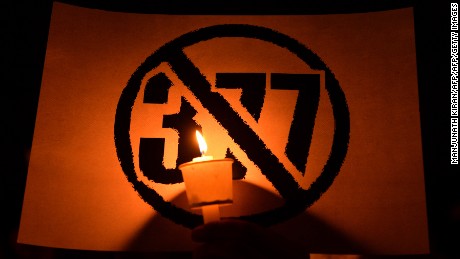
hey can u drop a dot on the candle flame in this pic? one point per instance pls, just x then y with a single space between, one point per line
201 143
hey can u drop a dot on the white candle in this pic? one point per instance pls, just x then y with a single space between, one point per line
210 213
202 158
208 182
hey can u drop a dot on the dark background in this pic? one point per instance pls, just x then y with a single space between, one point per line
24 31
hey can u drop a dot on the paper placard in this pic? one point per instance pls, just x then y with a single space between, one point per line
318 110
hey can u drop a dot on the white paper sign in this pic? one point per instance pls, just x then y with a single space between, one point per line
319 112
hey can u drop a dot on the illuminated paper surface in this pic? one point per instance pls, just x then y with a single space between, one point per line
79 194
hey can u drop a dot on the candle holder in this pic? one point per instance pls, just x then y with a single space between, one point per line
208 184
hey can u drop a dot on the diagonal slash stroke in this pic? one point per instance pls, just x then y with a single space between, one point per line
241 133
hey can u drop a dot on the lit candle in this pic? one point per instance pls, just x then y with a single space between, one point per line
203 148
208 182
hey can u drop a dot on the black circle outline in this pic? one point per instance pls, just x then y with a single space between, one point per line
292 207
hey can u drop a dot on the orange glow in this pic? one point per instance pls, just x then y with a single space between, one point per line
201 143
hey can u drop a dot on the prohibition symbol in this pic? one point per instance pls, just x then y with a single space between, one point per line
296 198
